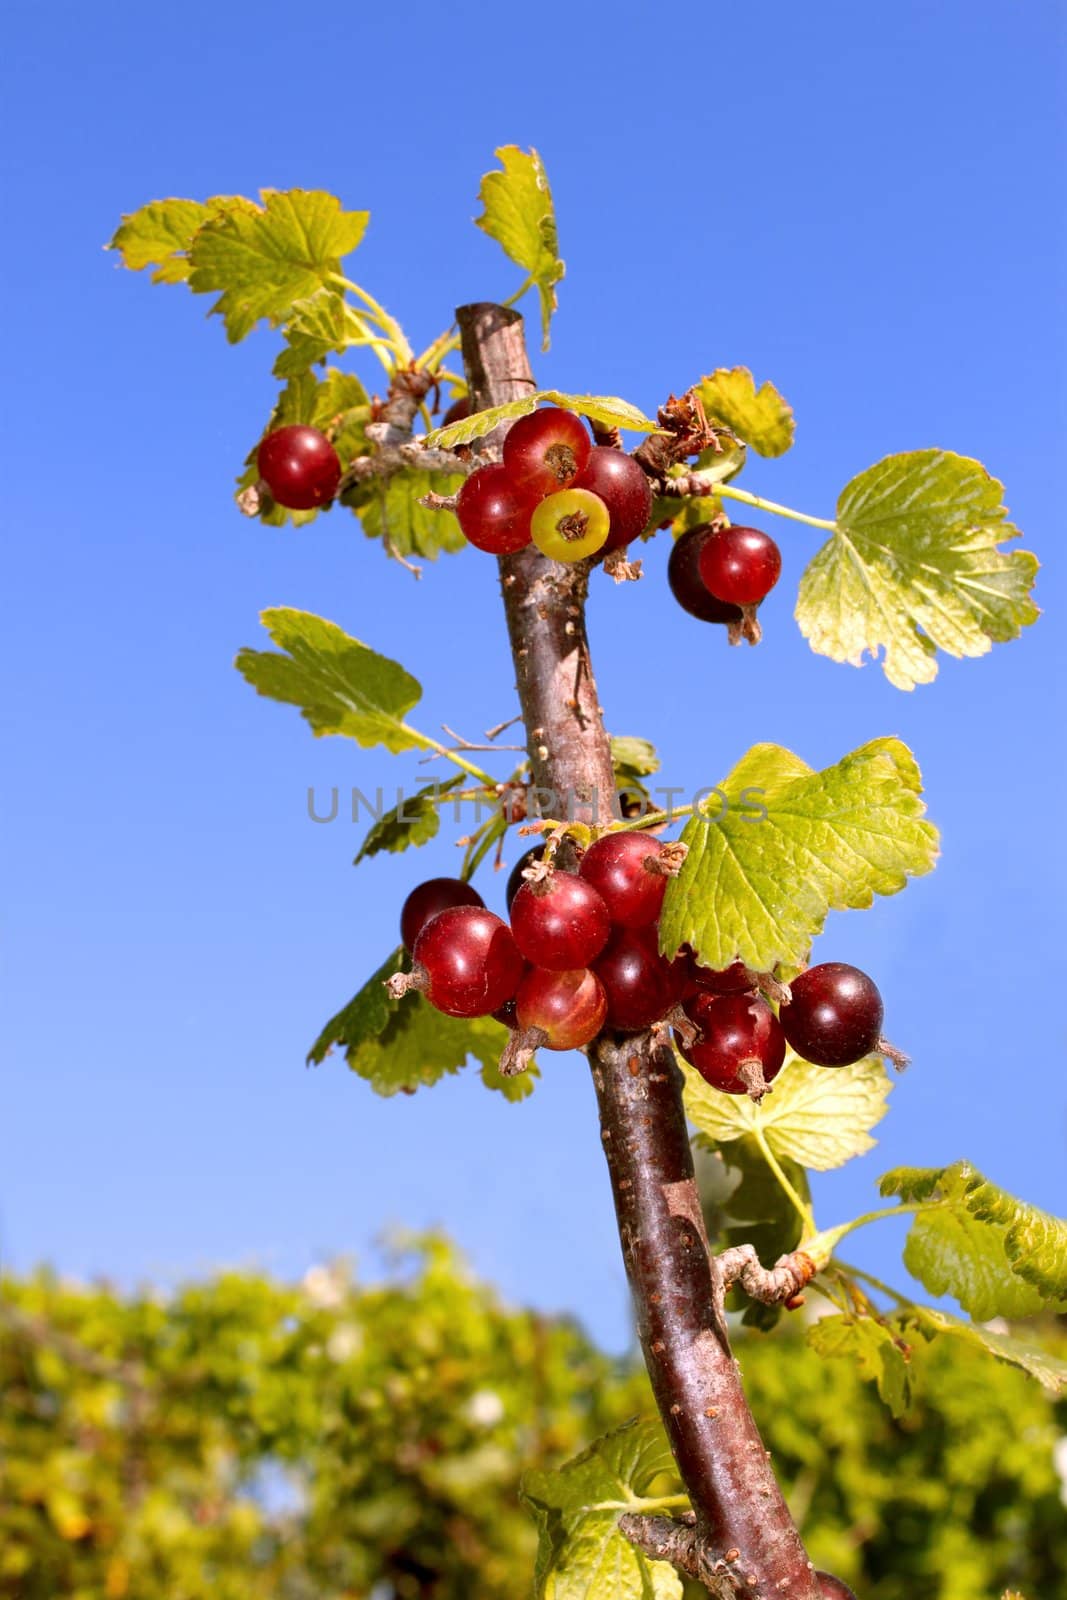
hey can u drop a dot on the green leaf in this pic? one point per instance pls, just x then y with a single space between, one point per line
761 417
1049 1370
320 325
759 890
260 259
881 1355
520 216
996 1255
818 1118
414 820
340 685
916 565
581 1554
401 1045
338 404
633 757
389 510
161 233
608 410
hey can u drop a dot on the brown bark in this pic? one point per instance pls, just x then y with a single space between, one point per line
742 1540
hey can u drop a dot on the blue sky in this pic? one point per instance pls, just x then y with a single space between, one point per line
857 202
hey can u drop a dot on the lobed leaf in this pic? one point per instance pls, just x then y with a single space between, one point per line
761 417
916 565
323 324
811 1115
339 684
880 1353
1049 1370
399 1046
759 890
520 216
581 1554
608 410
414 820
996 1255
390 509
160 234
262 259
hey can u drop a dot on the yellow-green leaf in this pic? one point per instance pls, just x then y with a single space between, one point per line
996 1255
608 410
813 1116
339 684
260 259
761 417
581 1554
758 888
520 216
161 233
915 566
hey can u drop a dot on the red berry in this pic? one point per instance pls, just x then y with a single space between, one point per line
493 513
832 1588
624 489
515 876
470 961
834 1016
570 1007
622 868
740 566
734 979
560 923
740 1041
300 467
683 575
546 450
641 985
425 901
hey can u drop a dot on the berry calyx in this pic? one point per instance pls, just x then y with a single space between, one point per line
466 962
687 587
546 450
741 1045
300 467
641 985
560 922
622 867
624 488
493 512
739 566
834 1015
567 1007
425 901
570 525
515 876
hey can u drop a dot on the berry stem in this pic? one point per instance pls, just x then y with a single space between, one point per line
772 1161
729 492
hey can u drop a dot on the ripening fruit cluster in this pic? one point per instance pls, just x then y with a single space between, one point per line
716 574
555 489
581 955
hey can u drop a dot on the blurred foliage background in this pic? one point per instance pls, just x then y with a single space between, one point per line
244 1438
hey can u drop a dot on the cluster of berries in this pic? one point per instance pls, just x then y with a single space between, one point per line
721 574
581 955
555 489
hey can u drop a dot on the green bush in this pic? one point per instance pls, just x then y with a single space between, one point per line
247 1438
